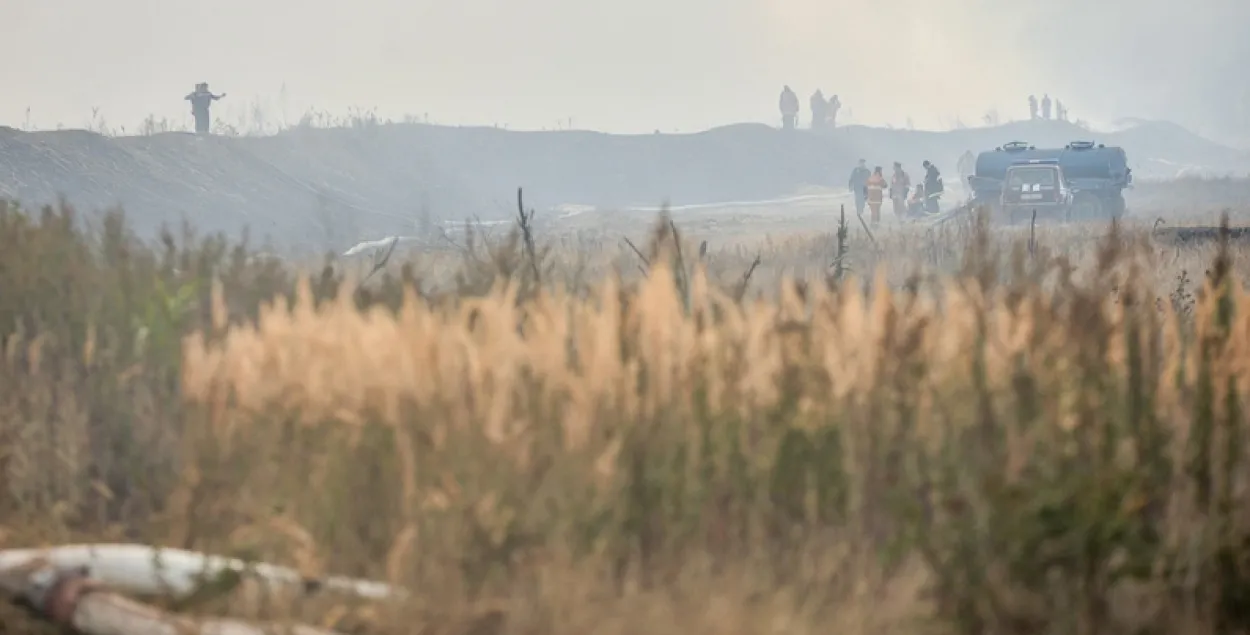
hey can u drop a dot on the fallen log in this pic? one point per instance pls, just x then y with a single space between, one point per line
178 573
69 598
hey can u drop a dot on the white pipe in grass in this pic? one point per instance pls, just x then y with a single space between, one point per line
177 573
70 598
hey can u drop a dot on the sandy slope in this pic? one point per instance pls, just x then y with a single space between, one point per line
323 187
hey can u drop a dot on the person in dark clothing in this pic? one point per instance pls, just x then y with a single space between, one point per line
820 110
835 105
789 104
932 188
1045 106
201 100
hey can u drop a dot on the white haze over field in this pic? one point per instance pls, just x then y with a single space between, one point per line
628 65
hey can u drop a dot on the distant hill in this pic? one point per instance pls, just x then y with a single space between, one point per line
365 181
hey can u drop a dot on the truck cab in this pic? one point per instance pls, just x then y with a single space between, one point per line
1035 185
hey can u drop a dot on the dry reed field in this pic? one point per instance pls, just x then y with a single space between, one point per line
964 430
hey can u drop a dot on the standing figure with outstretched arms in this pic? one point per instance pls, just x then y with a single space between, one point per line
201 100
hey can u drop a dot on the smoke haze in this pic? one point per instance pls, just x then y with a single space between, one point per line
629 66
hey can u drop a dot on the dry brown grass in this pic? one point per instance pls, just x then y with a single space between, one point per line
979 438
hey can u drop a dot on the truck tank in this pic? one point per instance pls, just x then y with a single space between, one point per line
1098 174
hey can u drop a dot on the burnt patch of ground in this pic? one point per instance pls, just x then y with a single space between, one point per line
1189 196
1193 236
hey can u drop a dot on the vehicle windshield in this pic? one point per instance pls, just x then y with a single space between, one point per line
1020 177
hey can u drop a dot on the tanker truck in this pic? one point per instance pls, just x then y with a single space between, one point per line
1095 176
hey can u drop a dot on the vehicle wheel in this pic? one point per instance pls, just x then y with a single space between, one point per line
1118 207
1085 207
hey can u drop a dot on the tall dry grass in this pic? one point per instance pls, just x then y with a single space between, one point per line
1014 448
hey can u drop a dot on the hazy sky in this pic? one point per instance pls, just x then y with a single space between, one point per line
627 65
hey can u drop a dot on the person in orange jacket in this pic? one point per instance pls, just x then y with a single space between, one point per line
875 190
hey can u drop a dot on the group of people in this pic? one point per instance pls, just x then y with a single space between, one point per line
824 111
870 189
1061 112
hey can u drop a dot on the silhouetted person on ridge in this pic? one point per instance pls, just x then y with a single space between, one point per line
1045 106
789 104
835 105
201 100
1032 107
1061 113
820 110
